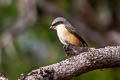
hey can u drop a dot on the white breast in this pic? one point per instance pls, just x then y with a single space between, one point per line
61 34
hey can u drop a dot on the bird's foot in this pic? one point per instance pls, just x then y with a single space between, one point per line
64 46
72 50
67 49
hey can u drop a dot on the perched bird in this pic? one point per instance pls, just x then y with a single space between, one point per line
67 34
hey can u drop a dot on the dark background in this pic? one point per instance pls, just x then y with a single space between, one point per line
26 43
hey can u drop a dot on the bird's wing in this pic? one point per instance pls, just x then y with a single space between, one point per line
74 31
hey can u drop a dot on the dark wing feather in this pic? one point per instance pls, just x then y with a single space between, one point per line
74 31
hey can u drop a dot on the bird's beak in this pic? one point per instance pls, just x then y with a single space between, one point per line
51 27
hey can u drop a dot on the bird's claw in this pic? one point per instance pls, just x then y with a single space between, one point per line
66 46
67 49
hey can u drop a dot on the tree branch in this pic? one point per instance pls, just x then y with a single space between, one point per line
86 61
3 76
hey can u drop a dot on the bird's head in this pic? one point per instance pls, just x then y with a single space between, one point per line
57 21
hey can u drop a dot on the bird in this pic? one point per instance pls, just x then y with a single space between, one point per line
67 34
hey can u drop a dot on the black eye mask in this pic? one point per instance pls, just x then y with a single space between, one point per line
57 23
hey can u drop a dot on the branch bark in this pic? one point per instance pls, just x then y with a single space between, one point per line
81 63
3 76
